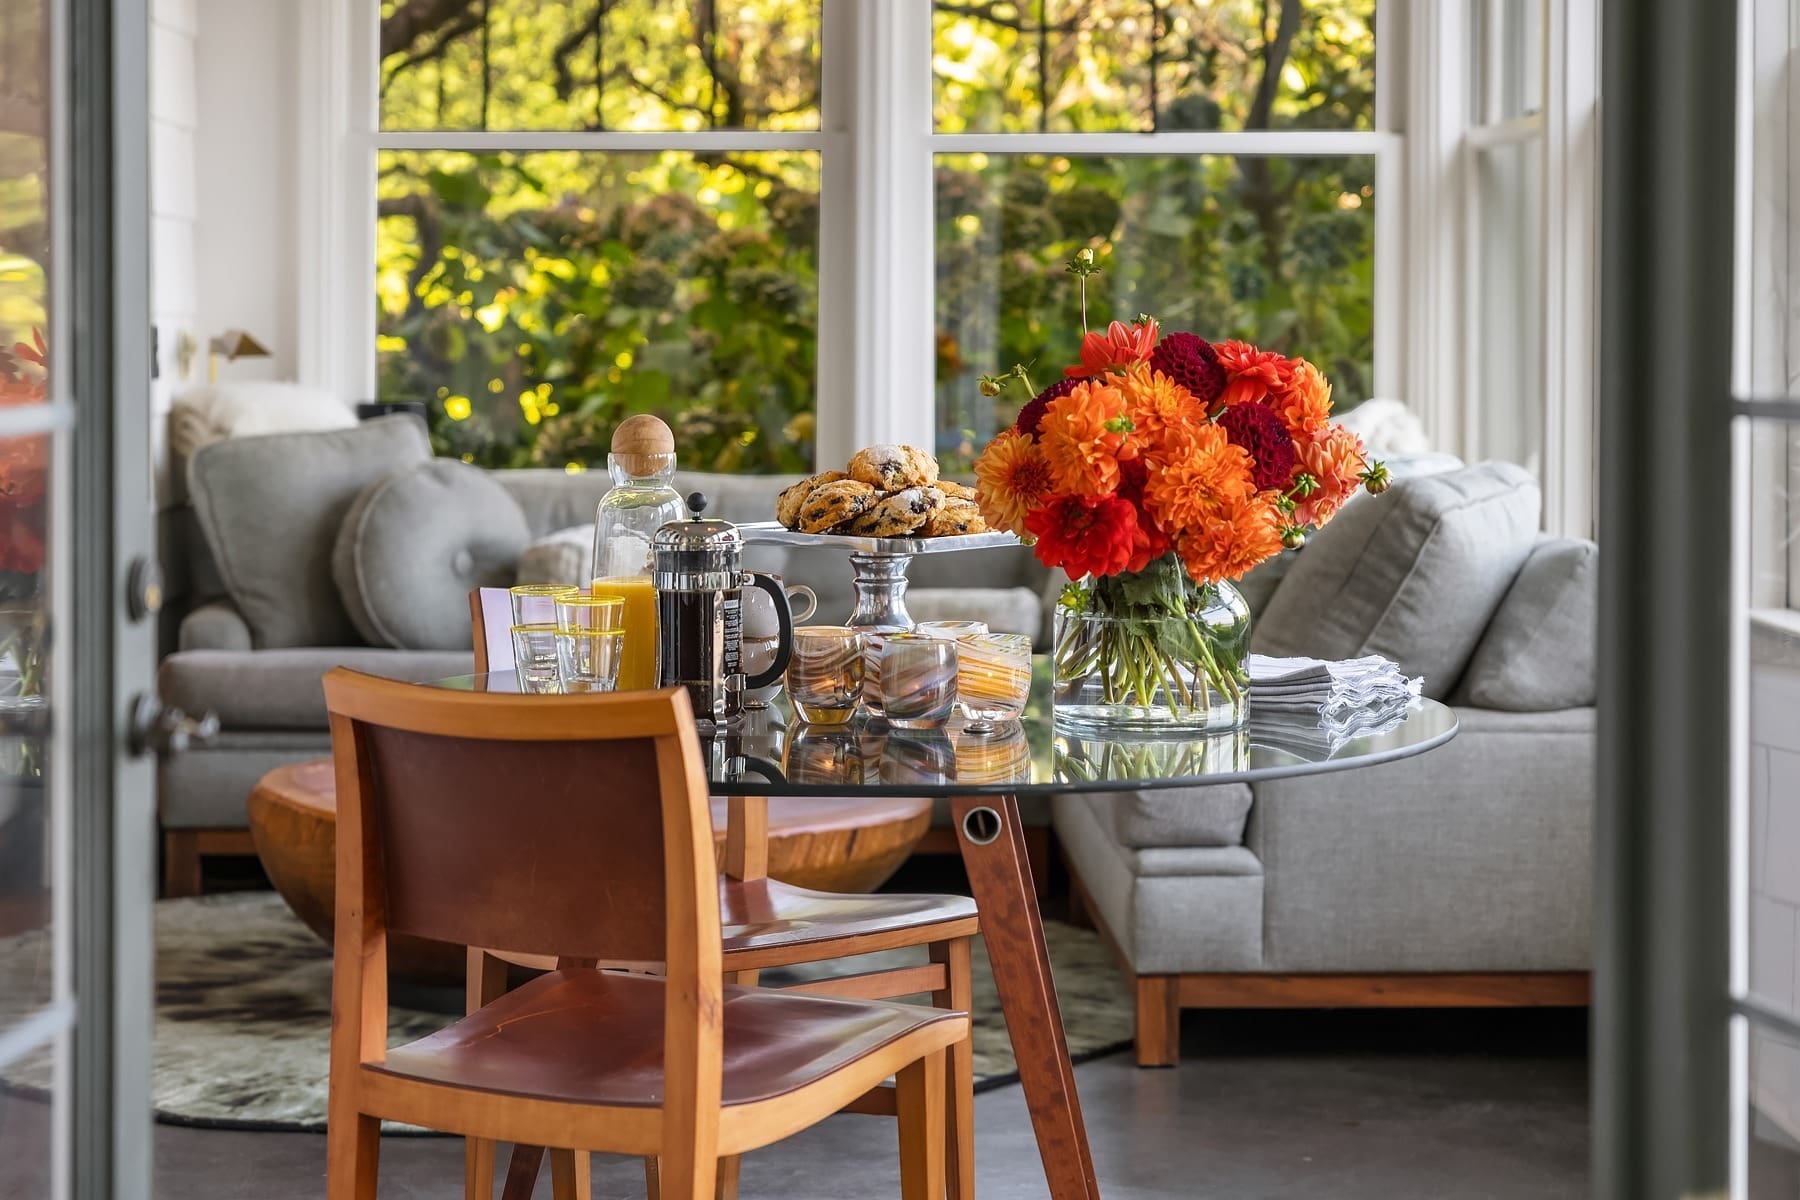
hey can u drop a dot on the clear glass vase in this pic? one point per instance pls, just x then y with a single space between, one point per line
1151 653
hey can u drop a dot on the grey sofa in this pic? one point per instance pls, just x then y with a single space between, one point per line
293 553
1460 877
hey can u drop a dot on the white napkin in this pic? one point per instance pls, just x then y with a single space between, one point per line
1334 690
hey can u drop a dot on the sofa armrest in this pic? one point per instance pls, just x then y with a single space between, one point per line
1475 856
214 626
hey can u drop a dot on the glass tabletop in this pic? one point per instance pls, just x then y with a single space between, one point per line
767 752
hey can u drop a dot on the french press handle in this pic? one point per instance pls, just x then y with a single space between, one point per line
784 620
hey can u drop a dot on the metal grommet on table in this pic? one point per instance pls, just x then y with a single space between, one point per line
981 825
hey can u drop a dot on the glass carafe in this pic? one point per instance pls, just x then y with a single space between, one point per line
642 500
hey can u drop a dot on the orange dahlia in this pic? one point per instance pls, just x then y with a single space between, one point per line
1011 478
1230 542
1120 346
1156 403
1304 403
1251 374
1196 473
1084 436
1334 457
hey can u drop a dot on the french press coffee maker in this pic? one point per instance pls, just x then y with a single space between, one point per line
697 568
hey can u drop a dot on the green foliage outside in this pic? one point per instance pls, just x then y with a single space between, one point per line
533 300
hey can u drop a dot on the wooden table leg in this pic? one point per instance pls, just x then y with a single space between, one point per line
993 848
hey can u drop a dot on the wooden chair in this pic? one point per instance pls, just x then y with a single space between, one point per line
578 827
768 923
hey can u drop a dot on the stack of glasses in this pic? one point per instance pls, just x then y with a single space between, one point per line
566 641
914 679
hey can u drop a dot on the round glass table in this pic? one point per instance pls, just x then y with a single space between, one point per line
983 773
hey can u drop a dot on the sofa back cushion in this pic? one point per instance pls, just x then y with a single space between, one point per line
1414 574
1538 652
416 543
271 507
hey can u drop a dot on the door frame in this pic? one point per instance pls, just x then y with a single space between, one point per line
113 809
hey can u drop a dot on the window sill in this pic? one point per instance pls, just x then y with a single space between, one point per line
1775 637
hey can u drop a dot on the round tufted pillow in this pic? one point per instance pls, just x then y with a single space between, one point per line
415 543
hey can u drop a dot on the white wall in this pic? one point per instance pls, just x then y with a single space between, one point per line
173 117
1775 883
245 161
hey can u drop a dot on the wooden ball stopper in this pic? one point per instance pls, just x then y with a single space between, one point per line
642 444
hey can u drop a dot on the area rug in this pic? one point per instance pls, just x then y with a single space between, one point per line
243 1012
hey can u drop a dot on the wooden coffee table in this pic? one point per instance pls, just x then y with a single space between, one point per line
827 844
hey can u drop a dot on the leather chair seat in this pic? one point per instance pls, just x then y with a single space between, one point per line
559 1038
779 924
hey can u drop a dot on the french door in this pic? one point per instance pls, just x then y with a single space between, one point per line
77 807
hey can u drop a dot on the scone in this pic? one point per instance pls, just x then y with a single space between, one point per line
897 515
957 517
955 491
787 505
834 503
894 468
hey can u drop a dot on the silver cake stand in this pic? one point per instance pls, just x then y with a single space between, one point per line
879 564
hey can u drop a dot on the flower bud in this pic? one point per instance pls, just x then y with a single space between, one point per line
1085 256
1293 537
1377 479
989 386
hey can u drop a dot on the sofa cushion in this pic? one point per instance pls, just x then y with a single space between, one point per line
1197 816
416 543
1538 651
282 689
565 556
1415 574
271 508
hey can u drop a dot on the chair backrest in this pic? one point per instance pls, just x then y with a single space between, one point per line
559 825
490 624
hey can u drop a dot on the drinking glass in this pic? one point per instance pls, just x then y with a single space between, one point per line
918 680
535 603
825 674
590 641
872 636
993 678
534 657
954 631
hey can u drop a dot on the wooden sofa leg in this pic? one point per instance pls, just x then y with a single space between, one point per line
1158 1020
181 862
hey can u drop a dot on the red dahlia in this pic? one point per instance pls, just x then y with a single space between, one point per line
1085 535
1265 439
1033 412
1190 360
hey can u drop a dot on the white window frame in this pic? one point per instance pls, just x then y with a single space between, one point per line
877 147
1447 147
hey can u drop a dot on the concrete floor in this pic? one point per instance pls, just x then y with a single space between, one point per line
1344 1106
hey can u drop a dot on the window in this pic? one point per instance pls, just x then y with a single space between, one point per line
536 282
1505 415
597 208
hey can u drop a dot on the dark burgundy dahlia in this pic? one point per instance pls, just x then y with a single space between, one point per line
1033 412
1260 432
1190 360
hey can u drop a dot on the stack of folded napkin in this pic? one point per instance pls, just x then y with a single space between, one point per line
1312 706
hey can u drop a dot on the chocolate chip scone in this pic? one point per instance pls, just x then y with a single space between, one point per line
833 503
787 505
894 468
897 515
957 517
955 491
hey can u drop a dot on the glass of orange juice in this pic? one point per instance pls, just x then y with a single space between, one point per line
637 660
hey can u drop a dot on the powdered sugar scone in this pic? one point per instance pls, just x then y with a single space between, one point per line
894 468
904 512
787 505
834 503
956 518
